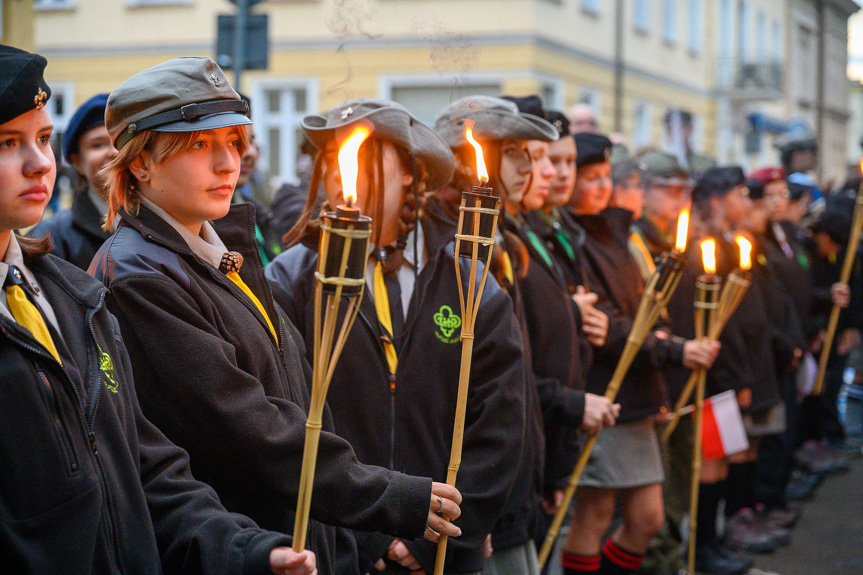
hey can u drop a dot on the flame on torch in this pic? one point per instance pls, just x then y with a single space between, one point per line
745 252
682 231
348 163
480 159
708 255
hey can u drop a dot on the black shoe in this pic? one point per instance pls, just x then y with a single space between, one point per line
709 559
802 486
741 556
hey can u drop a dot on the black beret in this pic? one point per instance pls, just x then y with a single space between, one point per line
559 121
835 224
591 148
528 104
22 87
717 181
90 115
756 188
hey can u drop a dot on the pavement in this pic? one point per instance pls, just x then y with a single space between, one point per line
828 538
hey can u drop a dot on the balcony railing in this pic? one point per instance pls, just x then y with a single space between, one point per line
751 81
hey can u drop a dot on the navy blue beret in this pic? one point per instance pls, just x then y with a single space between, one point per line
718 181
90 115
591 149
835 224
559 121
22 87
756 188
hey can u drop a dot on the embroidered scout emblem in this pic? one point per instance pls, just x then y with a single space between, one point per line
40 98
106 366
215 80
448 322
347 112
231 262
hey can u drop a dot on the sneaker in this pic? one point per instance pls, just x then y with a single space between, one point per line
818 457
780 517
745 532
802 486
709 559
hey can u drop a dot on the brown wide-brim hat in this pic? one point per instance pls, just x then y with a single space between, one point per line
494 119
391 122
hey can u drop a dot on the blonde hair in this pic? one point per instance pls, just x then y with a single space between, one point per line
122 193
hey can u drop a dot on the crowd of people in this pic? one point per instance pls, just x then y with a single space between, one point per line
156 341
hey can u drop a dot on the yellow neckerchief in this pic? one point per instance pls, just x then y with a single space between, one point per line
235 277
643 259
382 307
28 316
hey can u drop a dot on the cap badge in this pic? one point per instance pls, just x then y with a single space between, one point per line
607 153
215 80
558 125
40 98
347 112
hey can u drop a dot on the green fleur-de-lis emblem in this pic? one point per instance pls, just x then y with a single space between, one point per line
447 322
106 366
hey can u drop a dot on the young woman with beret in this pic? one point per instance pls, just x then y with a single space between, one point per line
394 390
88 484
220 369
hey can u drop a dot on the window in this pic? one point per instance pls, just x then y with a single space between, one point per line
53 4
695 26
61 106
157 2
725 37
761 40
669 21
425 100
592 98
277 108
642 125
591 6
777 41
743 32
641 15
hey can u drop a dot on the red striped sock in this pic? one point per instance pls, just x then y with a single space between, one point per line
575 564
618 561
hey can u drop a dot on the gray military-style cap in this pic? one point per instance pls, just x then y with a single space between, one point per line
494 119
180 95
391 122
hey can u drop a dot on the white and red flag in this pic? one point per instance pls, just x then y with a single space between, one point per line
722 433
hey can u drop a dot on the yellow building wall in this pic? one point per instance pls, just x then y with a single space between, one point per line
18 29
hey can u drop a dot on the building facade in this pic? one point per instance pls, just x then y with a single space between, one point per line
631 60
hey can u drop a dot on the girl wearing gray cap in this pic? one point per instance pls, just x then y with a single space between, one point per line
219 368
394 390
89 485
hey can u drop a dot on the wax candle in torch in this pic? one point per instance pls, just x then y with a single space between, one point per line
658 290
844 278
706 298
340 279
474 238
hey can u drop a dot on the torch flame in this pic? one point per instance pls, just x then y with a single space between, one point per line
745 252
682 230
708 255
480 159
348 164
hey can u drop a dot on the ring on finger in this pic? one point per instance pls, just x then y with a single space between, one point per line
440 500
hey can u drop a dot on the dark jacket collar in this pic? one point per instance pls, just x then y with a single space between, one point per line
656 242
439 226
611 224
86 216
54 273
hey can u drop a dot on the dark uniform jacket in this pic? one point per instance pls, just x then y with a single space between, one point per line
613 274
76 233
405 423
88 484
213 379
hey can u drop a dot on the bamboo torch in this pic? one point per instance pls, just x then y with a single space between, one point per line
706 301
732 294
847 265
659 289
340 278
477 225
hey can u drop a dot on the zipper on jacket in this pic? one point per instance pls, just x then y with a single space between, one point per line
392 421
63 434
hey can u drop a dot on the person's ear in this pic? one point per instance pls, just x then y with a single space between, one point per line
75 160
140 168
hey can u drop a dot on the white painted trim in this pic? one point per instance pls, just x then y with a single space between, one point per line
48 5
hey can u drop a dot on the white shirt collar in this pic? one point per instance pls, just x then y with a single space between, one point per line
208 246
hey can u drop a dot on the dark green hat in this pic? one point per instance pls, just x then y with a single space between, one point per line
662 167
22 87
180 95
494 119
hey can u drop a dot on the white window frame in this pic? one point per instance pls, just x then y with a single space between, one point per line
642 124
669 21
287 120
53 4
641 16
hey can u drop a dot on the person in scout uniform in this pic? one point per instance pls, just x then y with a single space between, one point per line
503 133
89 484
76 233
393 393
554 326
219 367
626 461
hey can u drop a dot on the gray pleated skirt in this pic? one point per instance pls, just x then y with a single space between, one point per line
626 455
